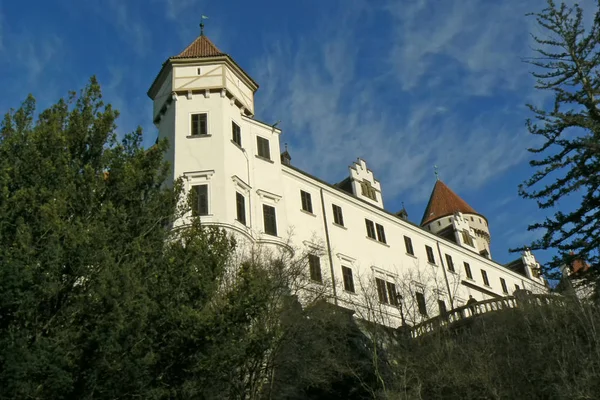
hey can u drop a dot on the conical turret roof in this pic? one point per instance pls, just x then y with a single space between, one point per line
201 47
444 202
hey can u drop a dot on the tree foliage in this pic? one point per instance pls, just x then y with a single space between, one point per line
567 162
101 298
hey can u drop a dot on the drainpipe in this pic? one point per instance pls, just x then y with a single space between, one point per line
335 299
445 276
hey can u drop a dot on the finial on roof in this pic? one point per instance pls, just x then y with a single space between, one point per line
435 170
202 18
286 147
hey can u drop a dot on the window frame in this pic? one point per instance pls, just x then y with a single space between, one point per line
379 229
421 303
382 292
484 276
338 215
236 133
504 286
266 227
430 255
306 201
198 125
348 279
408 246
197 199
450 263
240 207
467 238
370 225
261 142
314 267
468 270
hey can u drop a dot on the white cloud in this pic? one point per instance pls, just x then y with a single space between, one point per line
414 104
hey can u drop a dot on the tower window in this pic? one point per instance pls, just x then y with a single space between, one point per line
306 201
199 124
240 205
467 238
408 245
370 229
199 200
367 190
338 217
468 271
314 263
430 256
348 279
199 71
270 220
264 150
236 134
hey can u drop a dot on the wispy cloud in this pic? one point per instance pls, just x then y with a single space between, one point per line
408 101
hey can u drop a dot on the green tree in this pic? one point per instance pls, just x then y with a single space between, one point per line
101 297
568 163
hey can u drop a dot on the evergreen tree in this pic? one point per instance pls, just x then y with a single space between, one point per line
567 162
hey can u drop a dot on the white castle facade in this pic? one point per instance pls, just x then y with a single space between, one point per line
204 106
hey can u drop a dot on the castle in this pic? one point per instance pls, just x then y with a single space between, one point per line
204 105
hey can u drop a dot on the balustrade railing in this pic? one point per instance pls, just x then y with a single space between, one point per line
481 307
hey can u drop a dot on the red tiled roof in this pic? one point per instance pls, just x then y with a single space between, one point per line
201 47
443 202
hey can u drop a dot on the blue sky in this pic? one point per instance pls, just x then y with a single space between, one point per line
404 84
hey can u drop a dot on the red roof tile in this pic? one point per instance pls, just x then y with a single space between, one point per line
443 202
201 47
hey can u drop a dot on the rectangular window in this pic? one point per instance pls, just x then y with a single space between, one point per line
348 280
380 233
199 200
442 306
486 282
449 262
468 271
430 256
382 291
240 207
338 217
370 229
314 263
408 246
504 287
270 220
306 201
236 134
467 238
421 303
264 150
199 124
392 293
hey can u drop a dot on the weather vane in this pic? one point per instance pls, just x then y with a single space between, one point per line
435 171
202 18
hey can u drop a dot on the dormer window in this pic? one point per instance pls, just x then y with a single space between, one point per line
367 190
467 238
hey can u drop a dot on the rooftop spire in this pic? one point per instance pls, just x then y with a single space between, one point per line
435 171
202 18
